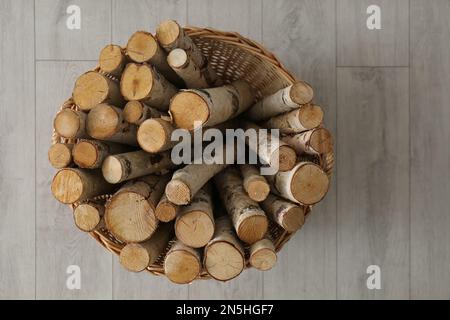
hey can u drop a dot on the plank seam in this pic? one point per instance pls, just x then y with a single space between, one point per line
35 158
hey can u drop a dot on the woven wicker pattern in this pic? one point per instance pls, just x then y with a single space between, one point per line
233 57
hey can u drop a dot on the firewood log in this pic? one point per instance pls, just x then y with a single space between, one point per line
136 112
308 116
60 155
105 122
262 254
136 257
249 221
194 225
224 255
272 150
182 63
290 216
154 135
126 166
93 88
130 213
90 154
165 210
171 36
88 216
211 106
255 185
112 60
188 180
283 100
316 141
182 263
144 83
306 183
71 185
142 47
70 124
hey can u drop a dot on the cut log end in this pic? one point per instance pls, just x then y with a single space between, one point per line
254 184
87 216
154 135
309 184
177 58
133 111
130 217
166 211
181 266
197 106
178 192
263 259
67 123
262 255
102 121
194 228
293 219
112 170
252 228
286 156
60 155
85 154
67 186
310 116
321 141
134 257
111 59
223 261
136 82
301 92
141 46
257 189
168 32
90 89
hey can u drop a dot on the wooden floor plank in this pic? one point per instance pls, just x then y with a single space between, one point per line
144 15
143 285
373 184
244 18
430 136
59 243
17 171
302 35
54 40
357 45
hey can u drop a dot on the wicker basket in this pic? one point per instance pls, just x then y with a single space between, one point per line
233 57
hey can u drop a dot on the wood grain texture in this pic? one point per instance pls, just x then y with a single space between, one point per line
245 18
359 46
144 15
430 136
373 184
17 171
143 285
302 35
59 243
247 286
55 41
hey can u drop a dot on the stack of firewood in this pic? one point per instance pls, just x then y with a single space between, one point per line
213 218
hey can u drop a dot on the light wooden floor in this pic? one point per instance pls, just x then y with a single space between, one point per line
386 95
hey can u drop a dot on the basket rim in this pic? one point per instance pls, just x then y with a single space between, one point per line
254 47
236 39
